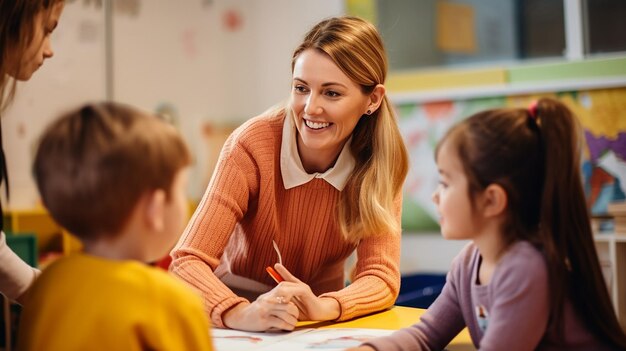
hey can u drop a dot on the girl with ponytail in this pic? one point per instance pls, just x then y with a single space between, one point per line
530 279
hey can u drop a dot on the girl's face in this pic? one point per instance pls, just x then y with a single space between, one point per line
40 48
452 197
325 102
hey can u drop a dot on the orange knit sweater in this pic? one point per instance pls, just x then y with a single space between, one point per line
246 206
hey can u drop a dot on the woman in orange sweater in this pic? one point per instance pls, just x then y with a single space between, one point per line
321 177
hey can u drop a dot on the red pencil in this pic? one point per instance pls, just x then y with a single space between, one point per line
272 272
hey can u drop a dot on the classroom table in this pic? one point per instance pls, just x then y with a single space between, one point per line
313 334
394 318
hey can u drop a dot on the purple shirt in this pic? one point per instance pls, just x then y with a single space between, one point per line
510 313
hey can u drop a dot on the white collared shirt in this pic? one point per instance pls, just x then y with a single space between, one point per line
291 166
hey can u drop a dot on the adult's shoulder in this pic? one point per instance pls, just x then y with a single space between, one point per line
265 128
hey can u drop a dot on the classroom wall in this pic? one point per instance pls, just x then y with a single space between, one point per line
427 252
213 65
181 58
75 74
209 65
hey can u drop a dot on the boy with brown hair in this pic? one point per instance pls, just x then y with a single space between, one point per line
114 177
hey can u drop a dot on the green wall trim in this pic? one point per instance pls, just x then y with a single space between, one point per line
568 70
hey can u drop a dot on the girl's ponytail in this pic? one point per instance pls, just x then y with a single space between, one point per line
565 229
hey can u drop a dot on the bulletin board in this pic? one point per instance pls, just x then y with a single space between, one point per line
602 114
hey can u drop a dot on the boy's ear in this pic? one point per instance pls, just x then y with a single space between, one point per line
494 201
155 210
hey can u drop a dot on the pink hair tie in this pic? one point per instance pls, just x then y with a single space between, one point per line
532 109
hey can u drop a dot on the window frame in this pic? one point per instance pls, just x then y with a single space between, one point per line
586 71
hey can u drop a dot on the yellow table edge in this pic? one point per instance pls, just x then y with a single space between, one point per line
394 318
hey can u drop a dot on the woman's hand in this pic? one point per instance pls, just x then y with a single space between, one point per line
311 307
269 311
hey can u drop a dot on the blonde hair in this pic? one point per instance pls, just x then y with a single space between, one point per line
356 47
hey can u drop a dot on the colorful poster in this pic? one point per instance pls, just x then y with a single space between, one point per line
602 114
456 28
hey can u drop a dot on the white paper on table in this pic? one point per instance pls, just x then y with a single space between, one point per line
236 340
303 339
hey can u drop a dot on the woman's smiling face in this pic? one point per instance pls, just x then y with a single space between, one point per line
325 102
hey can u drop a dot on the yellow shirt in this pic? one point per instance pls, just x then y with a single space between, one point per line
89 303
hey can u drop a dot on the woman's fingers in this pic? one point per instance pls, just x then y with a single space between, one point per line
280 324
282 304
284 319
269 312
277 311
295 291
282 314
291 293
302 314
284 272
